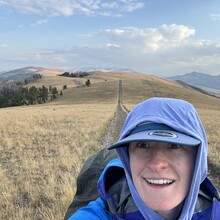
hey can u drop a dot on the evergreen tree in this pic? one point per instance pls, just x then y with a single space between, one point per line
88 83
43 94
33 95
54 93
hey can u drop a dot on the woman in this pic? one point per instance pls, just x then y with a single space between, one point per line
161 172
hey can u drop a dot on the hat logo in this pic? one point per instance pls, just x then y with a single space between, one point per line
165 134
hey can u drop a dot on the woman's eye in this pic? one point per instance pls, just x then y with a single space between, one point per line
142 145
175 146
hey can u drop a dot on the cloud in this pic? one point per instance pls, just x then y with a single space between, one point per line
215 17
70 7
148 40
60 58
163 50
123 5
42 21
167 49
21 26
176 32
3 45
110 45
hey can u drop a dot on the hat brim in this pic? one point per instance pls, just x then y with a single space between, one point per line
166 136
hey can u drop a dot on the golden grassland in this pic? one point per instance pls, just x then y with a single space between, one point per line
211 120
42 150
43 146
54 81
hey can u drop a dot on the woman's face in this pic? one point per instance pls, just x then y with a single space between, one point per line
162 174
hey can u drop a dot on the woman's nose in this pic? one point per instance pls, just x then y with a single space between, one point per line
157 159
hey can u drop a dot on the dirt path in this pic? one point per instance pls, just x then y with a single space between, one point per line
114 128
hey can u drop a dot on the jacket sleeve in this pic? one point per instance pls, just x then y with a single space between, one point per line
95 210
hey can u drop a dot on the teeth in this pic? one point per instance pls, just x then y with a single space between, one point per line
159 181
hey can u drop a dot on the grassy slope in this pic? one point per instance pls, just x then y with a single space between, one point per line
48 137
136 88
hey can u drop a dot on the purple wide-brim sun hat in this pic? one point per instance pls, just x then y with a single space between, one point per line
156 133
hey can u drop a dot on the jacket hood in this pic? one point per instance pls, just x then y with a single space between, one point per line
182 117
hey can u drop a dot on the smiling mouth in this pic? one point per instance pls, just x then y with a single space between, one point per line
160 181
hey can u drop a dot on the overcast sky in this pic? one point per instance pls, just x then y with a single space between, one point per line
159 37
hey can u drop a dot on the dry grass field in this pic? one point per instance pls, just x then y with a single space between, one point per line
43 146
42 149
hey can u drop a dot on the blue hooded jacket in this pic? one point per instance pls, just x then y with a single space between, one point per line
180 116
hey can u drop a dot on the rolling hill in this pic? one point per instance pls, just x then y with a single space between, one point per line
26 72
136 86
201 80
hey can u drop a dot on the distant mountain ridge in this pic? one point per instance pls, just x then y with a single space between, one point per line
20 74
201 80
27 72
106 69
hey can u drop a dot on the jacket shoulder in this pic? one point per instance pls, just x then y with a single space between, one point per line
208 203
95 210
216 210
211 213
